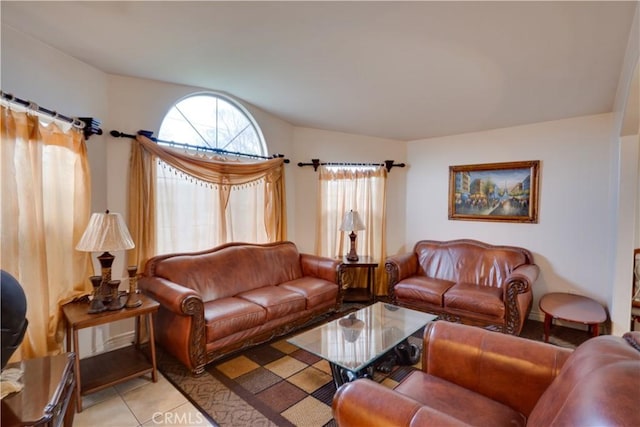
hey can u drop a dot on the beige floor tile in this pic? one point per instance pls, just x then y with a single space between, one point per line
183 415
284 346
91 399
285 366
309 412
153 398
134 383
237 366
323 365
110 413
310 379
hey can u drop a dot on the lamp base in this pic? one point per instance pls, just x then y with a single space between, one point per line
352 255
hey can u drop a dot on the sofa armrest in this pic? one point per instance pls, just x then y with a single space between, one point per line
366 403
320 267
518 296
180 326
524 277
170 295
400 267
506 368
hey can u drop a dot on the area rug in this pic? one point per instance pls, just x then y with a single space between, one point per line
278 384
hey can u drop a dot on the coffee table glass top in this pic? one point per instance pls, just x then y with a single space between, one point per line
359 338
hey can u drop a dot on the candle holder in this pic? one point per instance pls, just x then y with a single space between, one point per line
134 296
116 303
97 305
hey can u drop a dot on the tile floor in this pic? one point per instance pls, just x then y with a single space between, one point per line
137 403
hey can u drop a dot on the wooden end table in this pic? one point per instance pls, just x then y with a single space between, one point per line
571 308
106 369
361 294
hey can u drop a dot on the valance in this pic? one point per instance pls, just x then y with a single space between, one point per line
215 170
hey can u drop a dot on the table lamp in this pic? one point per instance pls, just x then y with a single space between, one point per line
352 223
105 232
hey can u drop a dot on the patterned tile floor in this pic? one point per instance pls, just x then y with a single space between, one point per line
291 386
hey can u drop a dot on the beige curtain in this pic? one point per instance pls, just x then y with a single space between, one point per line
214 176
45 209
361 189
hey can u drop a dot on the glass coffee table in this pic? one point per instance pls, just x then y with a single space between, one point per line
353 344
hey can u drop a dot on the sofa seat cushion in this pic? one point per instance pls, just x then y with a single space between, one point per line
485 300
316 292
422 288
463 404
277 301
226 316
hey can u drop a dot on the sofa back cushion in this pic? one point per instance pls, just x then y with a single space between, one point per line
230 269
598 385
469 261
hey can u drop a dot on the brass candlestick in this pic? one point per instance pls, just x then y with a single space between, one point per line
134 297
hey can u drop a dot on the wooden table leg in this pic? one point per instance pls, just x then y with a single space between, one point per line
152 346
77 367
369 285
547 326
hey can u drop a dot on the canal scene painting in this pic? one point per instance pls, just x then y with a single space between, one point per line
494 192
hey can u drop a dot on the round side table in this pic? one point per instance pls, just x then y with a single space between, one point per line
571 308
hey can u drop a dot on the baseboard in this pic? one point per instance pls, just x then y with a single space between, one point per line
116 342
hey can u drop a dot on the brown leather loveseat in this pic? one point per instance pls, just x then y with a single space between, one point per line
474 377
236 295
465 281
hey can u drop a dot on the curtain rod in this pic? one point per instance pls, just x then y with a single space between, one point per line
89 125
148 134
387 164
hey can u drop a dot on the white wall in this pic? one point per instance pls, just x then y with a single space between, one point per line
75 89
570 242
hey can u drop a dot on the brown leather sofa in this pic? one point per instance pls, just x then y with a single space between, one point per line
474 377
236 295
465 281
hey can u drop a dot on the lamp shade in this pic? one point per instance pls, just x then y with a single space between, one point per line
352 222
105 232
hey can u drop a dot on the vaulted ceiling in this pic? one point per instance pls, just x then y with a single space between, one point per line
399 70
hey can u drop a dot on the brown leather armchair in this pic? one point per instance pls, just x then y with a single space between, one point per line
474 377
465 281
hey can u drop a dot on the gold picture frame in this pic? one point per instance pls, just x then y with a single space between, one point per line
503 192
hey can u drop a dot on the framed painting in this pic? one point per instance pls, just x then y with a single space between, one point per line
506 192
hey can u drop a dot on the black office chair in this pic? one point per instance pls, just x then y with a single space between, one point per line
14 310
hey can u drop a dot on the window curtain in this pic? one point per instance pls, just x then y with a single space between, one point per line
46 201
217 179
361 189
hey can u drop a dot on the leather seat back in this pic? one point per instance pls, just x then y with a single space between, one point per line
598 385
469 261
231 269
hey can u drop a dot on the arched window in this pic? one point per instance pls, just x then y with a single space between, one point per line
190 214
215 121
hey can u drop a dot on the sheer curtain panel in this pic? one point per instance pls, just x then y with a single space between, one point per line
180 202
362 189
45 209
